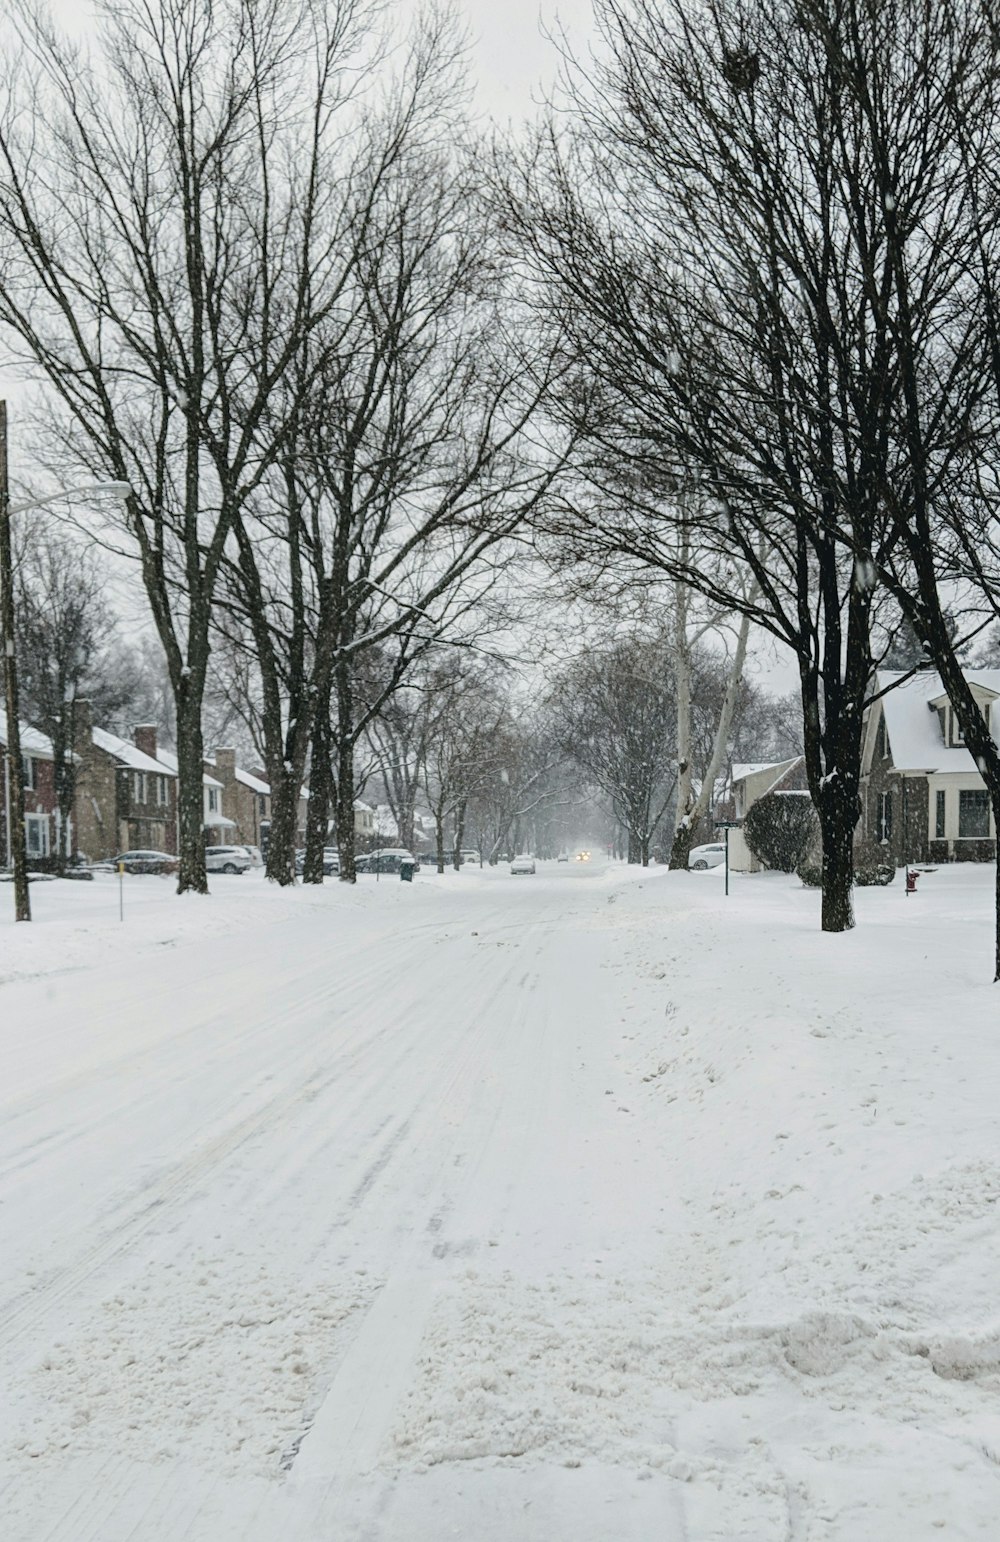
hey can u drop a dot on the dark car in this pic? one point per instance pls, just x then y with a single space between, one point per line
387 860
331 862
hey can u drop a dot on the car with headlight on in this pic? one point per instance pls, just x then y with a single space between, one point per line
583 856
702 857
525 863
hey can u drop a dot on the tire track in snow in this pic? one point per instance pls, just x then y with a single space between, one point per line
149 1205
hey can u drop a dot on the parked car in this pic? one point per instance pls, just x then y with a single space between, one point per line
470 856
386 860
563 856
227 859
331 861
254 853
701 857
147 862
525 863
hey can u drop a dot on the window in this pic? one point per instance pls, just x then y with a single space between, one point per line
884 829
29 773
880 744
939 816
213 800
139 786
36 829
974 815
957 736
161 791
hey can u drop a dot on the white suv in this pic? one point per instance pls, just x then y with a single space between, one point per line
227 859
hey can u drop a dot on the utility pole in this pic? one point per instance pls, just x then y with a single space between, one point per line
15 777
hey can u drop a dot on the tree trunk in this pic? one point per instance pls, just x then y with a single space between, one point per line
318 816
644 849
64 776
996 960
439 834
345 811
684 832
838 815
456 855
405 823
16 833
680 846
632 848
683 823
345 771
192 878
284 822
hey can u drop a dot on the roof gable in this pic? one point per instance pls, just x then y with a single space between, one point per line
910 707
33 742
129 754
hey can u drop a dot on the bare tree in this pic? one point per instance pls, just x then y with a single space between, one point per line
615 715
168 240
520 787
695 234
65 632
466 712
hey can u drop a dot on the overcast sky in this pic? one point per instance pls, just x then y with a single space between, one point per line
511 59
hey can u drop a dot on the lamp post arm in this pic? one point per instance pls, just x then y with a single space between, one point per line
90 490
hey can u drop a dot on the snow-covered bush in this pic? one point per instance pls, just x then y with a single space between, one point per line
866 877
872 864
782 830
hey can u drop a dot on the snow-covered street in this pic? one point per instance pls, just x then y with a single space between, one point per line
578 1208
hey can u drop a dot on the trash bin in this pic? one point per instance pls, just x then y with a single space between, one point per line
406 872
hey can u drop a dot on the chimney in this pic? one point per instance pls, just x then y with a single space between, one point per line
83 726
225 765
144 738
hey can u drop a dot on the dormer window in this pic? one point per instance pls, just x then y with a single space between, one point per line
951 727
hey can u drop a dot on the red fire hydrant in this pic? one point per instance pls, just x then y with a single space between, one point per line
911 881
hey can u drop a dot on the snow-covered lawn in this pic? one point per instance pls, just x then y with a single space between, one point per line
576 1208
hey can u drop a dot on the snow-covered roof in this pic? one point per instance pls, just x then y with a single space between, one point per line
741 770
914 730
253 782
130 755
170 761
245 778
33 743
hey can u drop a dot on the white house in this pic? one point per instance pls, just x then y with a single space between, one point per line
923 798
748 784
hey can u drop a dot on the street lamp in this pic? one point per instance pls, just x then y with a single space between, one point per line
14 801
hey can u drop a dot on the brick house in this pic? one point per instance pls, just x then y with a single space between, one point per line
41 814
126 797
217 830
245 799
923 798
